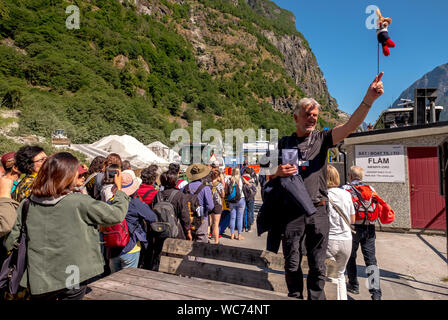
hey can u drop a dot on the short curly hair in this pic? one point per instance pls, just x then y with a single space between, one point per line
175 167
24 158
149 175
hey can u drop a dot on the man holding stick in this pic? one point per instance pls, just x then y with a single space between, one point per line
293 225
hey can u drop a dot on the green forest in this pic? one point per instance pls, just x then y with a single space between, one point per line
61 78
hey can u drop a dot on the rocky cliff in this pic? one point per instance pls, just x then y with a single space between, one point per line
210 33
437 78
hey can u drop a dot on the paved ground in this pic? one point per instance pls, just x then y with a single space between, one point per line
411 266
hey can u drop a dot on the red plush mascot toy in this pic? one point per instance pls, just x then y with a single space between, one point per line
383 34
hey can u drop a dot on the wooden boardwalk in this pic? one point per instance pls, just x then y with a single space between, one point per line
139 284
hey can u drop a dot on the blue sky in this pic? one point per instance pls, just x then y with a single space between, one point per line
346 50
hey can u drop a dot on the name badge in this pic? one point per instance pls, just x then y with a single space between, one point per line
304 163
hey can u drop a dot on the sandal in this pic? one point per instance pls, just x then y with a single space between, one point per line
232 236
240 237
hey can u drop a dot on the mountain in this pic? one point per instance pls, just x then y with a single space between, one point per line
437 78
146 67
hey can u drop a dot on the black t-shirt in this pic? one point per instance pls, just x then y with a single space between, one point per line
313 149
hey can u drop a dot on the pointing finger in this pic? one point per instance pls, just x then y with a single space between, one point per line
378 77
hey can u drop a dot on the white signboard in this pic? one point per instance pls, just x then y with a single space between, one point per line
259 147
381 163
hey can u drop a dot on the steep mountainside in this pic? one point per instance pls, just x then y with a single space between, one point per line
146 67
437 78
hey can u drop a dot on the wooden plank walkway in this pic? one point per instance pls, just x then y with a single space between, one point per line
240 266
139 284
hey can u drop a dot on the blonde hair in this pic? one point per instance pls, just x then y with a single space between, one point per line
236 175
305 102
333 180
356 173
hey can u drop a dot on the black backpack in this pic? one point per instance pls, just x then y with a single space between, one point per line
167 224
194 206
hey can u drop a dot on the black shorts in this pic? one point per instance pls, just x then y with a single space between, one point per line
383 36
217 209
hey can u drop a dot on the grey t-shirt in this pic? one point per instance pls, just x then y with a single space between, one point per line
313 149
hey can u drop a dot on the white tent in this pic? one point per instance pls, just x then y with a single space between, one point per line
129 148
164 151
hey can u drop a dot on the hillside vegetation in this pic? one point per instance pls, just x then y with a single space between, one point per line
131 71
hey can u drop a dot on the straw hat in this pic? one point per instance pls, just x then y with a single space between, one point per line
197 171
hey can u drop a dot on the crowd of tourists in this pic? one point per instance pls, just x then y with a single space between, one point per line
74 214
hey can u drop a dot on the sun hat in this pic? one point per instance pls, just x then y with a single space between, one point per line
197 171
128 184
131 172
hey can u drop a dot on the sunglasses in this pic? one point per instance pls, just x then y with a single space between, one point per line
41 159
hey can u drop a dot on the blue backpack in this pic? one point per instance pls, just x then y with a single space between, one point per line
233 193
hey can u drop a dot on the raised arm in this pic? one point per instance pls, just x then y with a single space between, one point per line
375 91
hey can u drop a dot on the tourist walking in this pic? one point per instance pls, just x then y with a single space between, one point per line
139 214
176 198
195 173
342 215
147 190
218 193
368 209
237 204
96 166
249 191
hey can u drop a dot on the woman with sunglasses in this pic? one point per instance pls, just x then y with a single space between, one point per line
29 160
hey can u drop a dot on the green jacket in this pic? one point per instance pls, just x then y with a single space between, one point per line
8 215
63 238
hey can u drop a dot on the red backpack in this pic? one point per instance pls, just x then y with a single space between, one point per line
365 202
117 236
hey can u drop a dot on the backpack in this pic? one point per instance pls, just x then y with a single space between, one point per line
194 207
166 226
233 193
117 235
249 191
254 176
15 265
365 203
215 195
147 194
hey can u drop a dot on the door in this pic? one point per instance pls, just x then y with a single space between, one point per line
427 205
